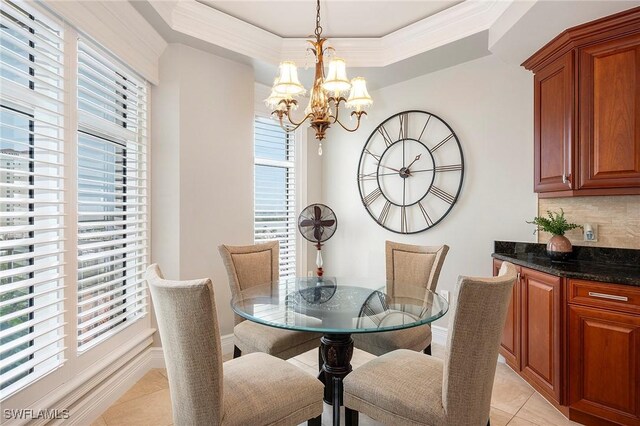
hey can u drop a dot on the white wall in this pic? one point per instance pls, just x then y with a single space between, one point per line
202 166
490 107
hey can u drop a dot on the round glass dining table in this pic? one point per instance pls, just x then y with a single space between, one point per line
338 307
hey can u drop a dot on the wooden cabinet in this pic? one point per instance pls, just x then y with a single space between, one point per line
531 339
604 353
610 114
576 342
553 131
510 343
540 331
587 109
605 365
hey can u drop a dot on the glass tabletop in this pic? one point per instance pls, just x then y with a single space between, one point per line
339 305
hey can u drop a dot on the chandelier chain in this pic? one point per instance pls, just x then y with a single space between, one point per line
318 30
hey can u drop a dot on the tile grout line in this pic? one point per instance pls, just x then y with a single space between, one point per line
520 409
115 404
129 400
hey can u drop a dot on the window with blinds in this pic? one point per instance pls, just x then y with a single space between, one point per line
275 191
112 196
31 197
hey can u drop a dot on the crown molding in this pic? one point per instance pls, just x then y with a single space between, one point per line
119 28
210 25
206 23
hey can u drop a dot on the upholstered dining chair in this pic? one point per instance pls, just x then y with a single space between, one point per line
407 388
256 389
257 264
408 267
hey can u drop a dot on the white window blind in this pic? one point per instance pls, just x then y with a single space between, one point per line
112 196
31 196
275 192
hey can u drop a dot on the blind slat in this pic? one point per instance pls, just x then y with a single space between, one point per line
274 190
112 196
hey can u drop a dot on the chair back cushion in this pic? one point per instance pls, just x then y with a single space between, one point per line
413 266
476 322
248 266
188 326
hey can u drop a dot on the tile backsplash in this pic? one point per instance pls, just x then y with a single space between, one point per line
617 217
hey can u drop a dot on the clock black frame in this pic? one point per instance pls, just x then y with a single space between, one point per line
362 154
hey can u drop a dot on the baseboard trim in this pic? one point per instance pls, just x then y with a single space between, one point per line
100 398
439 335
103 396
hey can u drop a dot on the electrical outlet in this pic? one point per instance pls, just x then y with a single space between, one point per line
444 294
309 274
590 232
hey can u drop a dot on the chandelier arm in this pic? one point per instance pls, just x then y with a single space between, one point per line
295 125
358 115
283 125
336 104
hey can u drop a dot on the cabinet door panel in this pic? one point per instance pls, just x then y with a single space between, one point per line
553 99
540 352
510 342
610 114
605 363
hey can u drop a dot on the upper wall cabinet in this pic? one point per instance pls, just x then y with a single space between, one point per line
587 109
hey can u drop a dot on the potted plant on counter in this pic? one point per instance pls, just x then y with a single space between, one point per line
559 247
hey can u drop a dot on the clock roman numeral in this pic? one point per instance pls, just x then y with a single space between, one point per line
385 135
449 168
373 195
425 214
404 126
442 142
376 156
425 127
384 214
367 176
403 220
443 195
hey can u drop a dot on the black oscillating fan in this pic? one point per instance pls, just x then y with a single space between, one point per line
317 223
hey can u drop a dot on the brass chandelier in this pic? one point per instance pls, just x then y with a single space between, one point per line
326 95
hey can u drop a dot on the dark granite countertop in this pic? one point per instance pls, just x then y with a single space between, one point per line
621 266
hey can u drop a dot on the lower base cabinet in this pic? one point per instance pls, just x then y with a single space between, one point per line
604 365
540 345
577 343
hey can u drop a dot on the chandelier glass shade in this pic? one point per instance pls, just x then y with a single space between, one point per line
327 93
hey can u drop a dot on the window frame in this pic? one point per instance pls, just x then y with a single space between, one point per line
300 170
80 371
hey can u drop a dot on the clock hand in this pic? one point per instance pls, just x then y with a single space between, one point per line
390 168
415 159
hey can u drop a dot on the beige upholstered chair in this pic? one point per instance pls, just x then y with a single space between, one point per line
254 390
407 388
408 266
248 266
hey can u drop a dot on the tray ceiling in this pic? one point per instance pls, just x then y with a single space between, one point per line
339 18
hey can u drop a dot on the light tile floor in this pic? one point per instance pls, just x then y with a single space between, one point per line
513 402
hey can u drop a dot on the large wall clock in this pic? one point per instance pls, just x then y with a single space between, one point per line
410 172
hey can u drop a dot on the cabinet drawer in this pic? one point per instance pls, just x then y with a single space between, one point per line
611 296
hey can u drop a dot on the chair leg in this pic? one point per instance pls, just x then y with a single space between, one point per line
350 417
236 351
316 421
489 422
427 350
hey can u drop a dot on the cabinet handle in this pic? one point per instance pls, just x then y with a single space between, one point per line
608 296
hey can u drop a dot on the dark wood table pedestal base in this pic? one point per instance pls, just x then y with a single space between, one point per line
336 350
